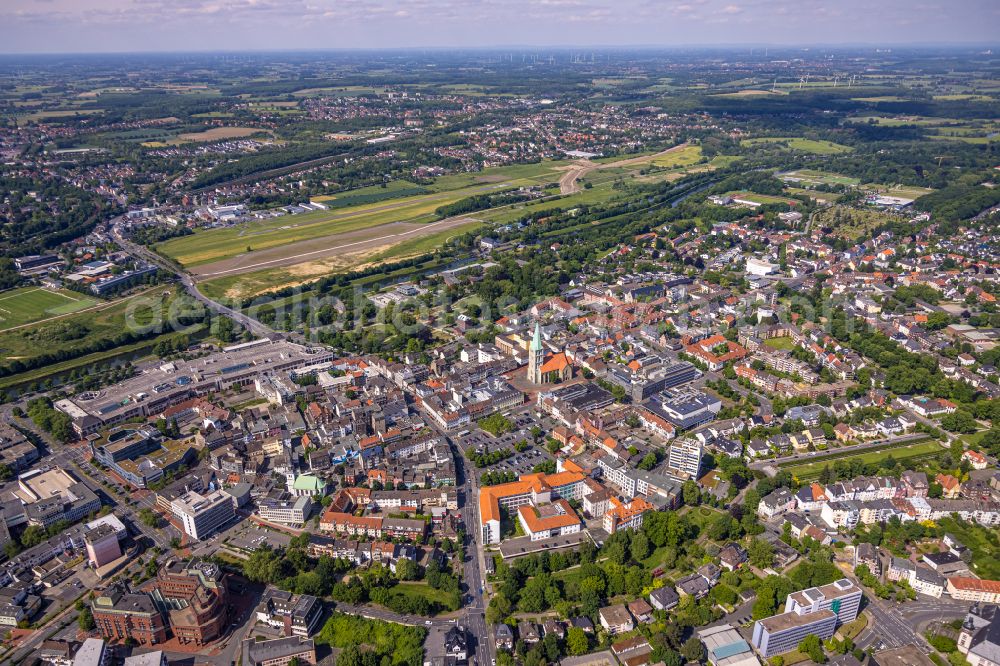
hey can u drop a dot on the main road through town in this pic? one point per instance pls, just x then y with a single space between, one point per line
254 326
473 566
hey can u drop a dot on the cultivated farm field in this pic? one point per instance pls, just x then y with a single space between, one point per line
217 134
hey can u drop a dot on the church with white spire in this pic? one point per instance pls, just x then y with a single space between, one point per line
546 368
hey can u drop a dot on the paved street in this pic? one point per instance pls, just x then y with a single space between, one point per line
257 328
475 619
895 625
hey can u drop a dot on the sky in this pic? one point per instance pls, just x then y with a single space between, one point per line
73 26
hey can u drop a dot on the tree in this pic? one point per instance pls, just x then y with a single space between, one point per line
640 547
761 553
32 536
148 517
616 552
959 421
648 462
11 548
407 569
499 609
576 641
692 649
691 493
496 424
262 565
86 619
813 648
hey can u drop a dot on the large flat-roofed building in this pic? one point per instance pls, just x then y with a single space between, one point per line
759 267
817 610
141 456
564 401
685 408
782 633
155 658
664 492
203 515
93 652
161 385
725 647
279 652
15 450
642 382
843 597
189 600
37 263
286 511
531 489
194 598
54 495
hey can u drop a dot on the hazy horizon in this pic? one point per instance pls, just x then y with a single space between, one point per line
147 26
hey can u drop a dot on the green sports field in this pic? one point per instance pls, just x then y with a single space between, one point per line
29 304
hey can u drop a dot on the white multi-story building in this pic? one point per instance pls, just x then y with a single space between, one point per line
203 515
285 511
685 457
818 610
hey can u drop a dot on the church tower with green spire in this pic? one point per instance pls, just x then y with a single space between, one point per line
536 357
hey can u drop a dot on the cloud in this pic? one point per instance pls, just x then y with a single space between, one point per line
100 25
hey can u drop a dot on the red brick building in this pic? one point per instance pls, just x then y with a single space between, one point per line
187 600
120 614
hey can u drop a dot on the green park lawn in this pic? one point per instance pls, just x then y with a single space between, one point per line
784 343
815 146
906 454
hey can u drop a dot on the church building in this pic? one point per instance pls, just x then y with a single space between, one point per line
546 369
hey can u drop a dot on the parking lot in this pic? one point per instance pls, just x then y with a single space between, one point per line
522 462
246 537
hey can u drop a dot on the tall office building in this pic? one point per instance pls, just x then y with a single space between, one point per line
685 457
818 610
203 515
